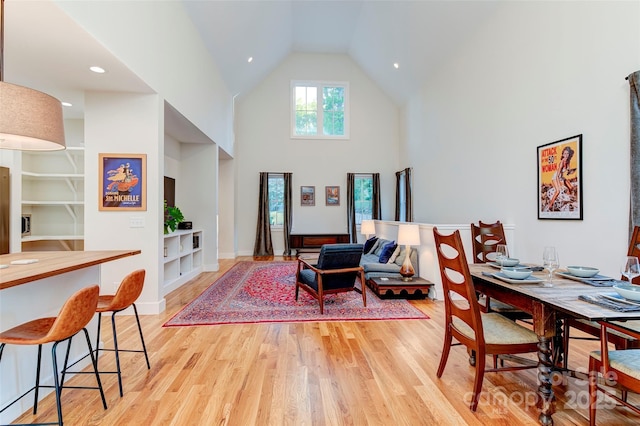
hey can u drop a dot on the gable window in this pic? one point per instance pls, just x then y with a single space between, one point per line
276 199
363 194
320 110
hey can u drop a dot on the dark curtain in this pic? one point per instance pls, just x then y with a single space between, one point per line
408 194
398 188
287 213
351 207
263 246
404 175
376 211
634 216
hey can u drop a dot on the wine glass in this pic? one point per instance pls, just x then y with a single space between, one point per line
630 268
551 262
502 253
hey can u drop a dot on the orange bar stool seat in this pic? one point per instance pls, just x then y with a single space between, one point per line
74 316
128 292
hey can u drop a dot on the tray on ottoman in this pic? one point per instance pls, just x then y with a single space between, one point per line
417 288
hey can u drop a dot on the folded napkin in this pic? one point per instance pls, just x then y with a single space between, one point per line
599 300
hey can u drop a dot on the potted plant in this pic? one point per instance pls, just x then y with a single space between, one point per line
172 217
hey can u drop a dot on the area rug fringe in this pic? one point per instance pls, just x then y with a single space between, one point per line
264 292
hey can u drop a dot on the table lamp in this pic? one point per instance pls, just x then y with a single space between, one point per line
368 227
408 235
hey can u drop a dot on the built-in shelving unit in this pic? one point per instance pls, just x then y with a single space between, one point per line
182 257
53 196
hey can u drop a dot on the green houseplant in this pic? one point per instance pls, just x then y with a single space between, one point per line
172 217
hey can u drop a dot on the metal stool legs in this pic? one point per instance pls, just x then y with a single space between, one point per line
58 382
116 349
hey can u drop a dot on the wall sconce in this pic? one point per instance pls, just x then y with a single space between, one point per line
368 227
29 120
408 235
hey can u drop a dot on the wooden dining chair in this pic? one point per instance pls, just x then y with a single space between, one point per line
485 239
483 333
620 340
609 370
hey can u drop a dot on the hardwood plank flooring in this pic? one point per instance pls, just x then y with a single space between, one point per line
334 373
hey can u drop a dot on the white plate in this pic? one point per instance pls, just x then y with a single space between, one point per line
23 261
497 266
577 278
4 266
528 280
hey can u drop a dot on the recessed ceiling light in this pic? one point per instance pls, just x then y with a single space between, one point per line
396 65
67 104
250 59
97 69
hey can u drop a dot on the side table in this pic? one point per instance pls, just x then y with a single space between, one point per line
417 288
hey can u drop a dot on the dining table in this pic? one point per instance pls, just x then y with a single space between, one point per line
548 306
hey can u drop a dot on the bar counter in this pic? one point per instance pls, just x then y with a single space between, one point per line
52 263
37 290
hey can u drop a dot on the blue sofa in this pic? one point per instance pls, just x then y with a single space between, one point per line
372 266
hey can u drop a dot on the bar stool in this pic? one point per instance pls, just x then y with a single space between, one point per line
74 316
128 292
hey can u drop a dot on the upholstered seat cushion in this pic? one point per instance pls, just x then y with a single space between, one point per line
498 330
626 361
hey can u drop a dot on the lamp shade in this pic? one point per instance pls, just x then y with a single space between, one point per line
409 235
29 119
368 227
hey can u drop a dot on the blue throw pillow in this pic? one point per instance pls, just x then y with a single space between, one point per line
387 251
369 244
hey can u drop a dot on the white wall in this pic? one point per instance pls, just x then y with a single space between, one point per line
127 124
158 42
536 72
263 143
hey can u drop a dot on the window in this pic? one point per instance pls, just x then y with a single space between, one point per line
363 194
402 196
276 199
320 110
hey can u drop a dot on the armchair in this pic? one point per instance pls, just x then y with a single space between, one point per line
336 271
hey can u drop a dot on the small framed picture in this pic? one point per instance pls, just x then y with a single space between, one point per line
332 195
560 179
123 184
307 195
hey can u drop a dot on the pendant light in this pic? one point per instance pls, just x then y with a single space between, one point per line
29 120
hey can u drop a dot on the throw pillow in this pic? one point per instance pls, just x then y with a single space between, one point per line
400 259
395 254
387 251
368 245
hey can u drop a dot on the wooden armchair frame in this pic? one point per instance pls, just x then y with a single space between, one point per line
321 275
604 362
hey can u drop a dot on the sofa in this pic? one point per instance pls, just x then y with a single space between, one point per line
389 265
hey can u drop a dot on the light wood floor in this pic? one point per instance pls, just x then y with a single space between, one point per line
337 373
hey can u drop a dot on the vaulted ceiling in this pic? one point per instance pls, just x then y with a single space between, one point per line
46 50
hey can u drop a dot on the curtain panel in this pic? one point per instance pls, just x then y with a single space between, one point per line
288 213
634 216
263 245
351 207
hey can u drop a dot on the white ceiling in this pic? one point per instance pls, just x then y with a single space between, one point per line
47 51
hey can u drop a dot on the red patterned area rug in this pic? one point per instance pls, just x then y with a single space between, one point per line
264 292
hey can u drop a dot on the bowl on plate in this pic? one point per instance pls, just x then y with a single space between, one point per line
628 291
583 271
509 261
518 273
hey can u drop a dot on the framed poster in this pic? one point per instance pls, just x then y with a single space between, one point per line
123 184
560 179
332 195
307 195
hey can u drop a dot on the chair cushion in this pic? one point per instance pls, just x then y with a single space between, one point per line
368 245
498 330
626 361
387 251
632 325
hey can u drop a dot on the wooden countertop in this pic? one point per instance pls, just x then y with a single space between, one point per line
52 263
